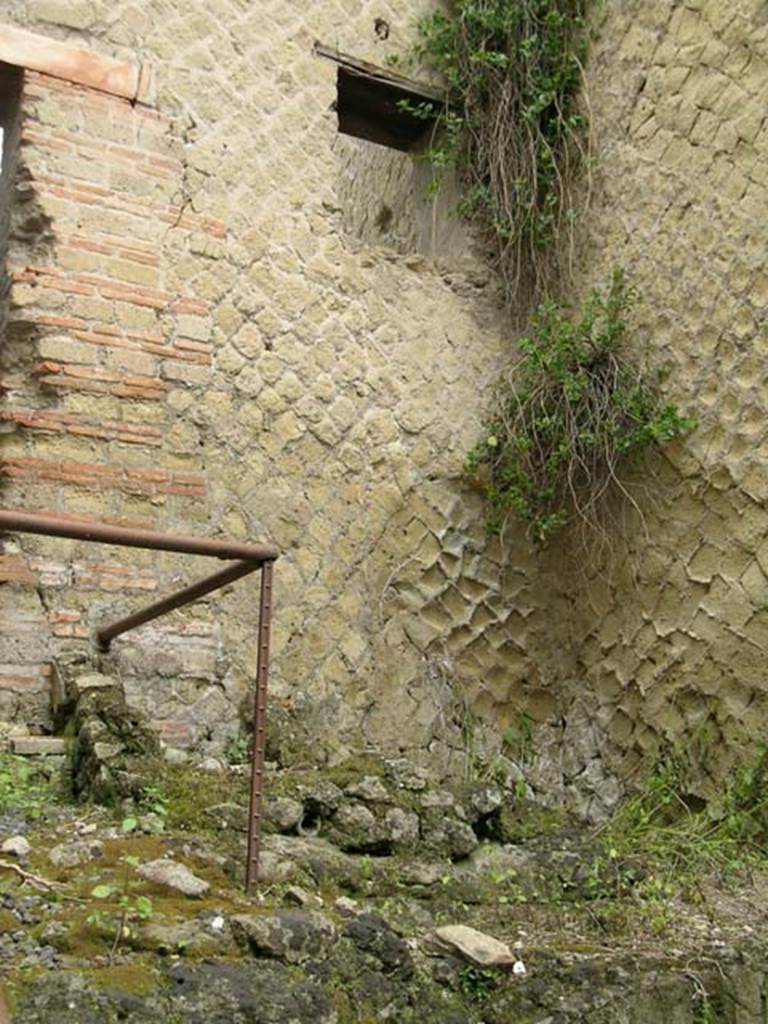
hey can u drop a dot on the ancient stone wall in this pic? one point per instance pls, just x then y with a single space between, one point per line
227 319
10 79
208 335
671 638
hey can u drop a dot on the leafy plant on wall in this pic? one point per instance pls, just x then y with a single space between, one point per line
512 127
570 415
577 404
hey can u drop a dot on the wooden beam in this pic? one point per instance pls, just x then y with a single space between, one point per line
60 60
370 99
381 75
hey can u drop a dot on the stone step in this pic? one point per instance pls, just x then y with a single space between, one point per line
31 746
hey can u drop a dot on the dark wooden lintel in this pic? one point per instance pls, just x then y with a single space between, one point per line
369 102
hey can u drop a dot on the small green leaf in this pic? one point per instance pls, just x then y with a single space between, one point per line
129 824
102 892
144 907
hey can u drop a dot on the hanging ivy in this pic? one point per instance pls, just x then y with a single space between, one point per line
577 404
512 126
569 416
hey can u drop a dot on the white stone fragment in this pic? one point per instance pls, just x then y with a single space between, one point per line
17 846
175 876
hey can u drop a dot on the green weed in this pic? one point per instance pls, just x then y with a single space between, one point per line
663 843
26 788
477 983
511 124
126 908
575 408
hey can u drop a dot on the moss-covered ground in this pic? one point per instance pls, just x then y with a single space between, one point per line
659 889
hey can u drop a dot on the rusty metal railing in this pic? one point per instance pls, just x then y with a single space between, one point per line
249 558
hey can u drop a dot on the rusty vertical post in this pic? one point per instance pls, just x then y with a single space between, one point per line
259 728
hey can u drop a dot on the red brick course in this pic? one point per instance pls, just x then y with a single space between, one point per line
52 422
99 380
25 677
106 340
14 569
104 477
110 199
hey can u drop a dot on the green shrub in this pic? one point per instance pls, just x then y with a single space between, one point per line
512 125
569 415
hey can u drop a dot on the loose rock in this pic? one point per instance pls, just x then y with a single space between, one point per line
485 798
474 946
402 827
175 876
354 827
418 872
346 906
17 846
322 798
274 867
283 814
407 775
187 936
300 897
370 789
371 934
175 755
438 798
228 816
293 935
84 687
81 851
450 836
151 824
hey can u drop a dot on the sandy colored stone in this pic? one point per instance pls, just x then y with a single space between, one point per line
16 846
73 854
175 876
474 946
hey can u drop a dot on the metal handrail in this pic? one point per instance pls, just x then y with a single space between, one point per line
60 526
194 592
250 557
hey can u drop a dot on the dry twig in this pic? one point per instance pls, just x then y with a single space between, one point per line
26 876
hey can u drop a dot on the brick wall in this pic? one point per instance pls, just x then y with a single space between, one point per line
96 341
